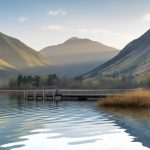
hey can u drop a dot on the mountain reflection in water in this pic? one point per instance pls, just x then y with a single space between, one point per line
135 121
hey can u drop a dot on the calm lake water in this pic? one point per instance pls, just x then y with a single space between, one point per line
70 125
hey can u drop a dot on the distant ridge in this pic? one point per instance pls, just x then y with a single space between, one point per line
76 56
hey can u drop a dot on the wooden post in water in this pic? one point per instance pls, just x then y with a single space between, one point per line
34 95
24 94
53 95
27 94
43 95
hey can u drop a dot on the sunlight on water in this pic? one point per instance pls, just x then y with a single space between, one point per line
29 125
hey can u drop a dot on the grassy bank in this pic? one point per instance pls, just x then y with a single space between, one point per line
135 99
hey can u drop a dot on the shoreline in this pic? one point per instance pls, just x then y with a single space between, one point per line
139 98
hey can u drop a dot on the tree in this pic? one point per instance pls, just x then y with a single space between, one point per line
37 81
19 80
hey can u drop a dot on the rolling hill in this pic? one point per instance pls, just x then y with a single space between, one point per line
15 56
76 56
134 59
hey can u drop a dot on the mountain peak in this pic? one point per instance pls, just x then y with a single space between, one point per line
74 40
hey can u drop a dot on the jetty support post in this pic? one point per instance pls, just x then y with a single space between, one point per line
53 95
34 94
43 95
24 94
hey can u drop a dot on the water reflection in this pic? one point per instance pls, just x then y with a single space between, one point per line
28 125
135 121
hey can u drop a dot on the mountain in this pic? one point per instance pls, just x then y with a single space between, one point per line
16 56
134 59
5 66
76 56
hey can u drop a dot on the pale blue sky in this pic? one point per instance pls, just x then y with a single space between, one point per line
40 23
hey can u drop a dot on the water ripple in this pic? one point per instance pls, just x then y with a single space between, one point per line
28 125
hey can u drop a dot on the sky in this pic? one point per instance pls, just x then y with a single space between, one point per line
41 23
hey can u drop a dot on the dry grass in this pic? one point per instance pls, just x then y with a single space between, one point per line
135 99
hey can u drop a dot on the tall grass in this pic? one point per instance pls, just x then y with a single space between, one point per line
136 99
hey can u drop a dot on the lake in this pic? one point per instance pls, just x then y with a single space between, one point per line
70 125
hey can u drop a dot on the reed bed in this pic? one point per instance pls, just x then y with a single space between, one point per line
137 99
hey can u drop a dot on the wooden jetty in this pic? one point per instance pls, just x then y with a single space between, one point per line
65 94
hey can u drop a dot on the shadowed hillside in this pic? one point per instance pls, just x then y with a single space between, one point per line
134 59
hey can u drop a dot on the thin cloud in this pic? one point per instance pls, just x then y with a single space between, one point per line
58 12
53 28
22 19
146 17
92 31
80 30
59 28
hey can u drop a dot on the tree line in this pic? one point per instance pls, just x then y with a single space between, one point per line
103 82
34 81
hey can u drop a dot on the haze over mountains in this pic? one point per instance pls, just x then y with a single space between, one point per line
77 56
74 57
134 59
